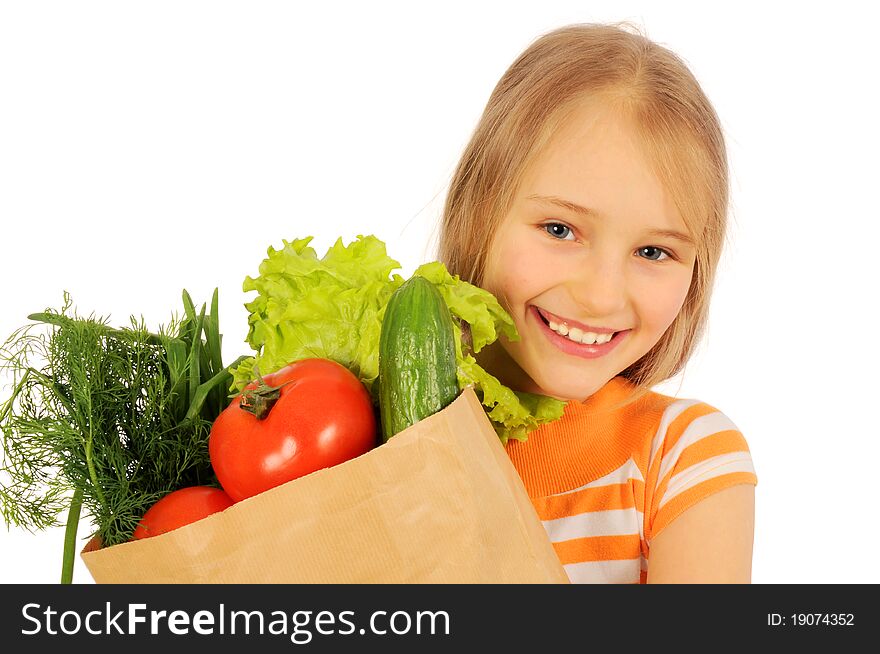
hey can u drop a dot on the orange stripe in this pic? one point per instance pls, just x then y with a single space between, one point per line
683 501
656 497
723 442
678 426
684 462
673 432
602 498
638 489
650 486
597 548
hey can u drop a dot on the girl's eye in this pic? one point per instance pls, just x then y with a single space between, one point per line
653 253
563 232
559 231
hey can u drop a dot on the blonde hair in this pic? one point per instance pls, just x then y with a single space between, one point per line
656 92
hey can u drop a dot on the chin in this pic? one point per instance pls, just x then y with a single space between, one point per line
574 390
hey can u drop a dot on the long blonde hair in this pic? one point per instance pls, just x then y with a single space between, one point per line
679 129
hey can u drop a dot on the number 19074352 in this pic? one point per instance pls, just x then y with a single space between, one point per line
811 620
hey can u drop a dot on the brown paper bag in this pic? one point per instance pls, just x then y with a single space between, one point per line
438 503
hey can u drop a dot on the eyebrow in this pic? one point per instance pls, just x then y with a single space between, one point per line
592 213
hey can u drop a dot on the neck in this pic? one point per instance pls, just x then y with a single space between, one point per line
495 360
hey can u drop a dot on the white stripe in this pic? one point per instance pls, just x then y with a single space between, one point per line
623 474
603 572
698 429
671 413
641 526
613 522
715 467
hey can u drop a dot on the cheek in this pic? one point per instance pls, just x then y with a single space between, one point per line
662 305
509 274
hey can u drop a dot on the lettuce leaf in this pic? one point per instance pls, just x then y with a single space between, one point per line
333 308
309 307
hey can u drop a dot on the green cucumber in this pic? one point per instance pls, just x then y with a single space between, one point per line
417 366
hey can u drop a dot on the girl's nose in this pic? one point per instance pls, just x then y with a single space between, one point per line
600 288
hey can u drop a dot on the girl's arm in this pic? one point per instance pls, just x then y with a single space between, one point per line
709 543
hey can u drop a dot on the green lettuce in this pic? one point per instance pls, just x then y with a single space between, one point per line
333 307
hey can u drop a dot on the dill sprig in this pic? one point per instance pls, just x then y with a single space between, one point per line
107 420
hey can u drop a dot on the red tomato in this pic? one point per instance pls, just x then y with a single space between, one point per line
181 507
323 416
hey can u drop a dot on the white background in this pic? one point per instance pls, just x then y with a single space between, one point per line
151 147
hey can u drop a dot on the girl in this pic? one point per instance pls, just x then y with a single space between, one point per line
592 201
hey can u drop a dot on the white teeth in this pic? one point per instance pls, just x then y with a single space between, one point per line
561 329
580 336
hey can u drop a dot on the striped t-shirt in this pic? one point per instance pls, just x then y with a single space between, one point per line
606 481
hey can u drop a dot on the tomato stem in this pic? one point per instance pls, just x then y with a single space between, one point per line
260 400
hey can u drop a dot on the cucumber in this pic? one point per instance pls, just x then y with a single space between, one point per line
417 367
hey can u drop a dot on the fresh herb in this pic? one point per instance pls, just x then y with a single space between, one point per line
106 419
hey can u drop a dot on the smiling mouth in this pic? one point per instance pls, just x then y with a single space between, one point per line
577 334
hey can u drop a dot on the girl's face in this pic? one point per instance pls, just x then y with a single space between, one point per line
588 246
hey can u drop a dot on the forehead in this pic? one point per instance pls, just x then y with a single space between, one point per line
595 159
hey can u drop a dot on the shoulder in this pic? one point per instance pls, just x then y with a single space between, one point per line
694 451
672 424
682 423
